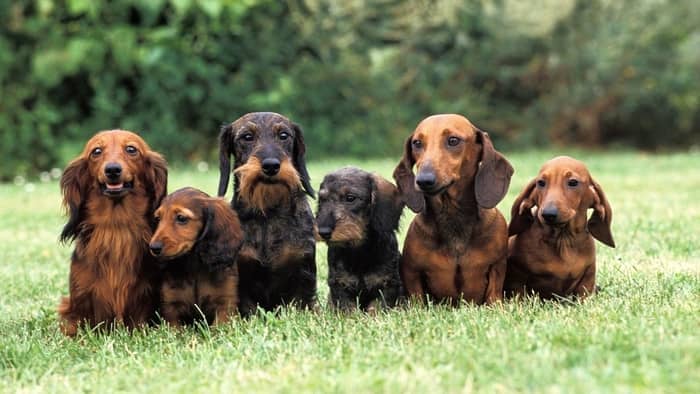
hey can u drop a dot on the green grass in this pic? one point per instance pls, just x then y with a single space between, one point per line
642 333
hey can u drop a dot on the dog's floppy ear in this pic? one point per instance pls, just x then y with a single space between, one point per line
493 176
299 161
405 179
74 187
520 214
221 236
225 145
600 221
156 176
387 205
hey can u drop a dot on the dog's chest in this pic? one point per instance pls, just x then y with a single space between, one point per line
450 241
275 241
544 257
191 287
567 264
367 281
114 256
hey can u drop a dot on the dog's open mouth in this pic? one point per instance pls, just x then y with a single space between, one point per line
116 189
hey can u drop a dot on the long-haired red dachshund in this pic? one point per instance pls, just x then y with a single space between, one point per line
110 192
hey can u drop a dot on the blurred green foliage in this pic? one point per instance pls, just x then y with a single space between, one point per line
356 74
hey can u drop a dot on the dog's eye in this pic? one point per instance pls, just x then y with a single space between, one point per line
541 183
453 141
156 219
572 182
248 137
131 150
181 219
283 135
350 198
417 144
96 152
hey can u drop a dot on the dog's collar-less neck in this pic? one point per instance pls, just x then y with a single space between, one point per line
457 200
372 249
564 236
187 263
451 214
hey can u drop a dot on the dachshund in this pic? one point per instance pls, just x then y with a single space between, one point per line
276 263
551 249
358 216
110 192
456 246
196 242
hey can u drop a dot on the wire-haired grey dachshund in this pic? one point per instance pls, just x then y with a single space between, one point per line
277 260
358 215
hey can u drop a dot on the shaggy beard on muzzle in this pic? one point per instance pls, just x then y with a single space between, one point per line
261 192
348 232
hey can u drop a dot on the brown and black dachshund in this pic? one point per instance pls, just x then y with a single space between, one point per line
277 261
358 215
457 244
196 243
552 251
110 192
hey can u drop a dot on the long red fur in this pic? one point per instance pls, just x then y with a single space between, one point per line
110 283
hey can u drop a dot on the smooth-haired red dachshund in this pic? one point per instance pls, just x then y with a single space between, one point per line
552 251
456 246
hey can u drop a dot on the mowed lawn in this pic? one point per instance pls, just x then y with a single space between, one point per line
640 334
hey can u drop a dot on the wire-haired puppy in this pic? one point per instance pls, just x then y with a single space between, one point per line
110 192
552 251
277 261
358 215
196 243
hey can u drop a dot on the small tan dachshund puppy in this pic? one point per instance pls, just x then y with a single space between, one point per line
456 247
552 251
197 242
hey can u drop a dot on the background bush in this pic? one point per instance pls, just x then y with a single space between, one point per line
356 74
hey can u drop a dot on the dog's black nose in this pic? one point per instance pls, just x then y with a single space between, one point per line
156 248
426 180
325 232
550 214
271 166
113 171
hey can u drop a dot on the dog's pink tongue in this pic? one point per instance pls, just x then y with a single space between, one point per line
116 186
